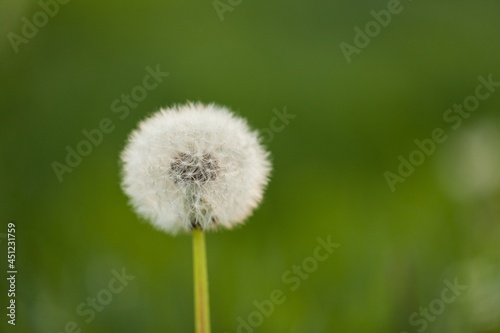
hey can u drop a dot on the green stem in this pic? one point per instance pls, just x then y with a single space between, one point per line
202 306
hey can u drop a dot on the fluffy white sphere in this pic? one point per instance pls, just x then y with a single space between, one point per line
194 166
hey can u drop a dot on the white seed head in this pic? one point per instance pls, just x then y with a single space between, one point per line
194 166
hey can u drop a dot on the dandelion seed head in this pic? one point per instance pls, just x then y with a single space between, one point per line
194 166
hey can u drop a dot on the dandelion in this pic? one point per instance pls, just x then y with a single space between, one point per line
195 168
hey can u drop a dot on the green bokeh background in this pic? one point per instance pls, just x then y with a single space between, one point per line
352 122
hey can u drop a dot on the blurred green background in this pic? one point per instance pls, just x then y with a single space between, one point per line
352 122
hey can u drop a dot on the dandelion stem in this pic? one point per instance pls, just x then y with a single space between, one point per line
202 306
